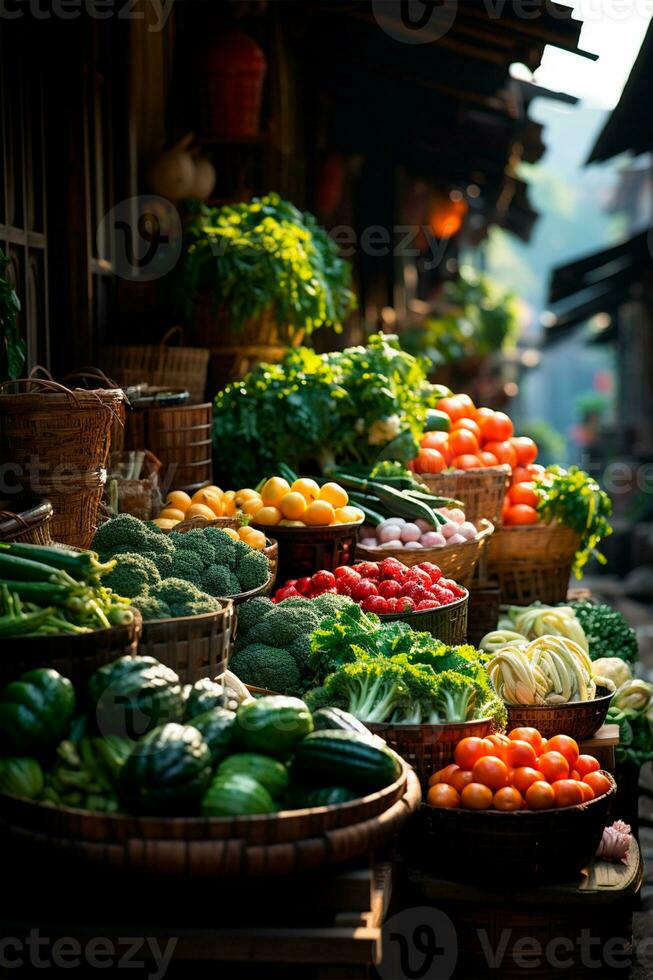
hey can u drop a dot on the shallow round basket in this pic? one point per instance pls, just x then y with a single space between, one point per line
457 561
193 646
428 748
522 846
447 623
305 550
288 842
580 719
75 655
481 491
264 589
271 550
30 525
532 563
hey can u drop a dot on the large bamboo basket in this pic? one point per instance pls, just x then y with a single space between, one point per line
447 623
580 719
159 365
271 550
60 438
518 847
193 646
305 550
457 561
481 491
532 563
75 655
179 436
428 748
289 842
29 526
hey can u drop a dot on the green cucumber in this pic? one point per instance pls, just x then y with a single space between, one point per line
437 421
356 761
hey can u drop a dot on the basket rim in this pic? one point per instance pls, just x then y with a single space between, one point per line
198 618
250 592
532 814
426 612
502 468
553 525
567 706
118 819
285 529
481 536
377 727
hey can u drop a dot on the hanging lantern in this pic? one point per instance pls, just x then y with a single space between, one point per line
447 213
232 70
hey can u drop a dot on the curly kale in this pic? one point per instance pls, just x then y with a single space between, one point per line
132 575
268 667
608 634
334 638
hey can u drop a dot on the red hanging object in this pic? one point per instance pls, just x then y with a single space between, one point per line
232 72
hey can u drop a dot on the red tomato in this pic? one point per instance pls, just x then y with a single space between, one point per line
453 406
502 450
567 792
523 493
507 798
467 403
520 754
504 511
566 746
530 735
540 796
525 777
586 764
500 743
481 414
443 796
429 461
488 459
462 441
435 440
553 765
470 426
461 779
470 749
574 774
491 772
443 775
466 462
520 515
598 783
496 428
475 796
520 474
525 449
588 792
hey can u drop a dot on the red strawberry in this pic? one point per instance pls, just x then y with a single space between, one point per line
444 596
363 589
323 580
342 570
348 582
393 605
419 575
367 569
407 604
434 571
303 585
448 583
285 593
428 604
389 589
375 604
392 568
415 591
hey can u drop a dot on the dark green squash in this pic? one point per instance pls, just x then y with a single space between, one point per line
236 795
202 696
358 762
217 727
167 772
21 777
270 773
272 725
35 712
133 695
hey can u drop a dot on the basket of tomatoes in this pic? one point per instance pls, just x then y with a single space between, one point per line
517 808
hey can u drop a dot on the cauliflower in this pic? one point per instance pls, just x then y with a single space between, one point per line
265 666
252 570
384 430
132 575
611 668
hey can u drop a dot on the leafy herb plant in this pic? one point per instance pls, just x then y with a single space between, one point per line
573 498
14 349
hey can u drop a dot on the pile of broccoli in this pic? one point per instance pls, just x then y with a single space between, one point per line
273 642
176 574
386 672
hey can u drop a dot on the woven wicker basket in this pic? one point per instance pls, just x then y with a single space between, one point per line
303 551
75 655
481 491
193 646
522 846
447 623
289 842
428 748
160 365
68 433
31 525
532 563
580 719
457 561
178 435
262 590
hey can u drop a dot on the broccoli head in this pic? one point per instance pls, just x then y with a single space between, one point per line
319 697
300 650
184 598
150 607
241 550
220 581
264 666
224 546
125 530
252 570
283 625
252 612
329 603
196 542
188 565
162 561
373 689
132 575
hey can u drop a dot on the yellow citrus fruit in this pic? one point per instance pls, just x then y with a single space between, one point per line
293 505
308 489
253 537
273 490
209 499
319 512
172 514
228 506
200 510
334 494
178 499
231 532
252 507
165 523
268 516
349 515
247 494
212 489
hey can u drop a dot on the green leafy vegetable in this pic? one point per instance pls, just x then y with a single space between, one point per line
14 346
574 498
608 634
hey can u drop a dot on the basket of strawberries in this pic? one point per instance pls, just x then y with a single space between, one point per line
419 595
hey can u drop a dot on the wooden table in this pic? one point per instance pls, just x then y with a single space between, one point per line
603 745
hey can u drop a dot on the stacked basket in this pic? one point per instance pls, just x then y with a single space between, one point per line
532 563
482 491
